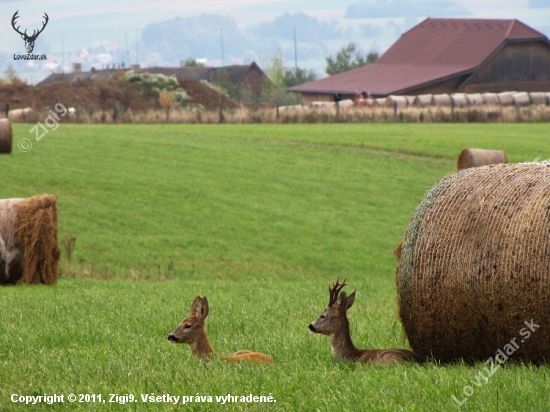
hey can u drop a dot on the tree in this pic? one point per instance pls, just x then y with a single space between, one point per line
10 74
293 77
283 77
348 58
275 69
190 62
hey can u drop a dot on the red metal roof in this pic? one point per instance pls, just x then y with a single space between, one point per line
430 52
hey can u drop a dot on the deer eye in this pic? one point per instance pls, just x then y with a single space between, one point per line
323 316
186 326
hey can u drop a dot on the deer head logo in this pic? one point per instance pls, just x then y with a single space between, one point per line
29 40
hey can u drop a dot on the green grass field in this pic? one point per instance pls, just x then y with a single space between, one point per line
259 218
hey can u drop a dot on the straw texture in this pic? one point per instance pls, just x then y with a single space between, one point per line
474 265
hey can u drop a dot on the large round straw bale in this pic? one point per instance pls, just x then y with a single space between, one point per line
474 98
400 101
473 272
506 98
490 98
347 103
521 99
5 136
480 157
28 240
441 100
538 98
379 102
459 99
423 100
410 100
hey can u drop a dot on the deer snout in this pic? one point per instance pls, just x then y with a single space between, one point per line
172 338
311 327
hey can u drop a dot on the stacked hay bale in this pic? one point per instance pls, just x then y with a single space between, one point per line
474 98
473 266
396 101
459 99
506 98
423 100
5 136
490 98
538 98
480 157
28 240
442 100
521 99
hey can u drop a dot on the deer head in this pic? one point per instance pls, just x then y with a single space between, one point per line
191 329
29 40
333 319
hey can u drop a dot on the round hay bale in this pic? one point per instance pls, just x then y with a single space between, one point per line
410 100
400 101
346 104
6 136
506 98
473 267
459 99
521 99
379 102
480 157
28 240
441 100
474 98
423 100
490 98
539 98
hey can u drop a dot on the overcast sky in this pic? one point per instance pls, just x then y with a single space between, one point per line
372 24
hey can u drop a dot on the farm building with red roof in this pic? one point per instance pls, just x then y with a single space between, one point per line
447 56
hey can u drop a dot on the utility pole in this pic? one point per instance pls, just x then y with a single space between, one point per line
62 55
295 56
223 54
127 50
295 62
137 47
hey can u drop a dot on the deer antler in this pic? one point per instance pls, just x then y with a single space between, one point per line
34 33
335 290
34 36
43 24
15 16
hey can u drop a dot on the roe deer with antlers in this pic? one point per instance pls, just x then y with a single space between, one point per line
333 322
191 331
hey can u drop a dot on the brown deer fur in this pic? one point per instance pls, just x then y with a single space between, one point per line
333 322
192 331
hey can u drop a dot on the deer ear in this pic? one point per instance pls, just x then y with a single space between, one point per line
341 301
199 308
204 308
195 305
350 300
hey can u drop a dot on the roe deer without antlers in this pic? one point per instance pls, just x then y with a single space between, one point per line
333 322
191 331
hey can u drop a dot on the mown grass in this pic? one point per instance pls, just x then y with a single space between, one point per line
258 219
